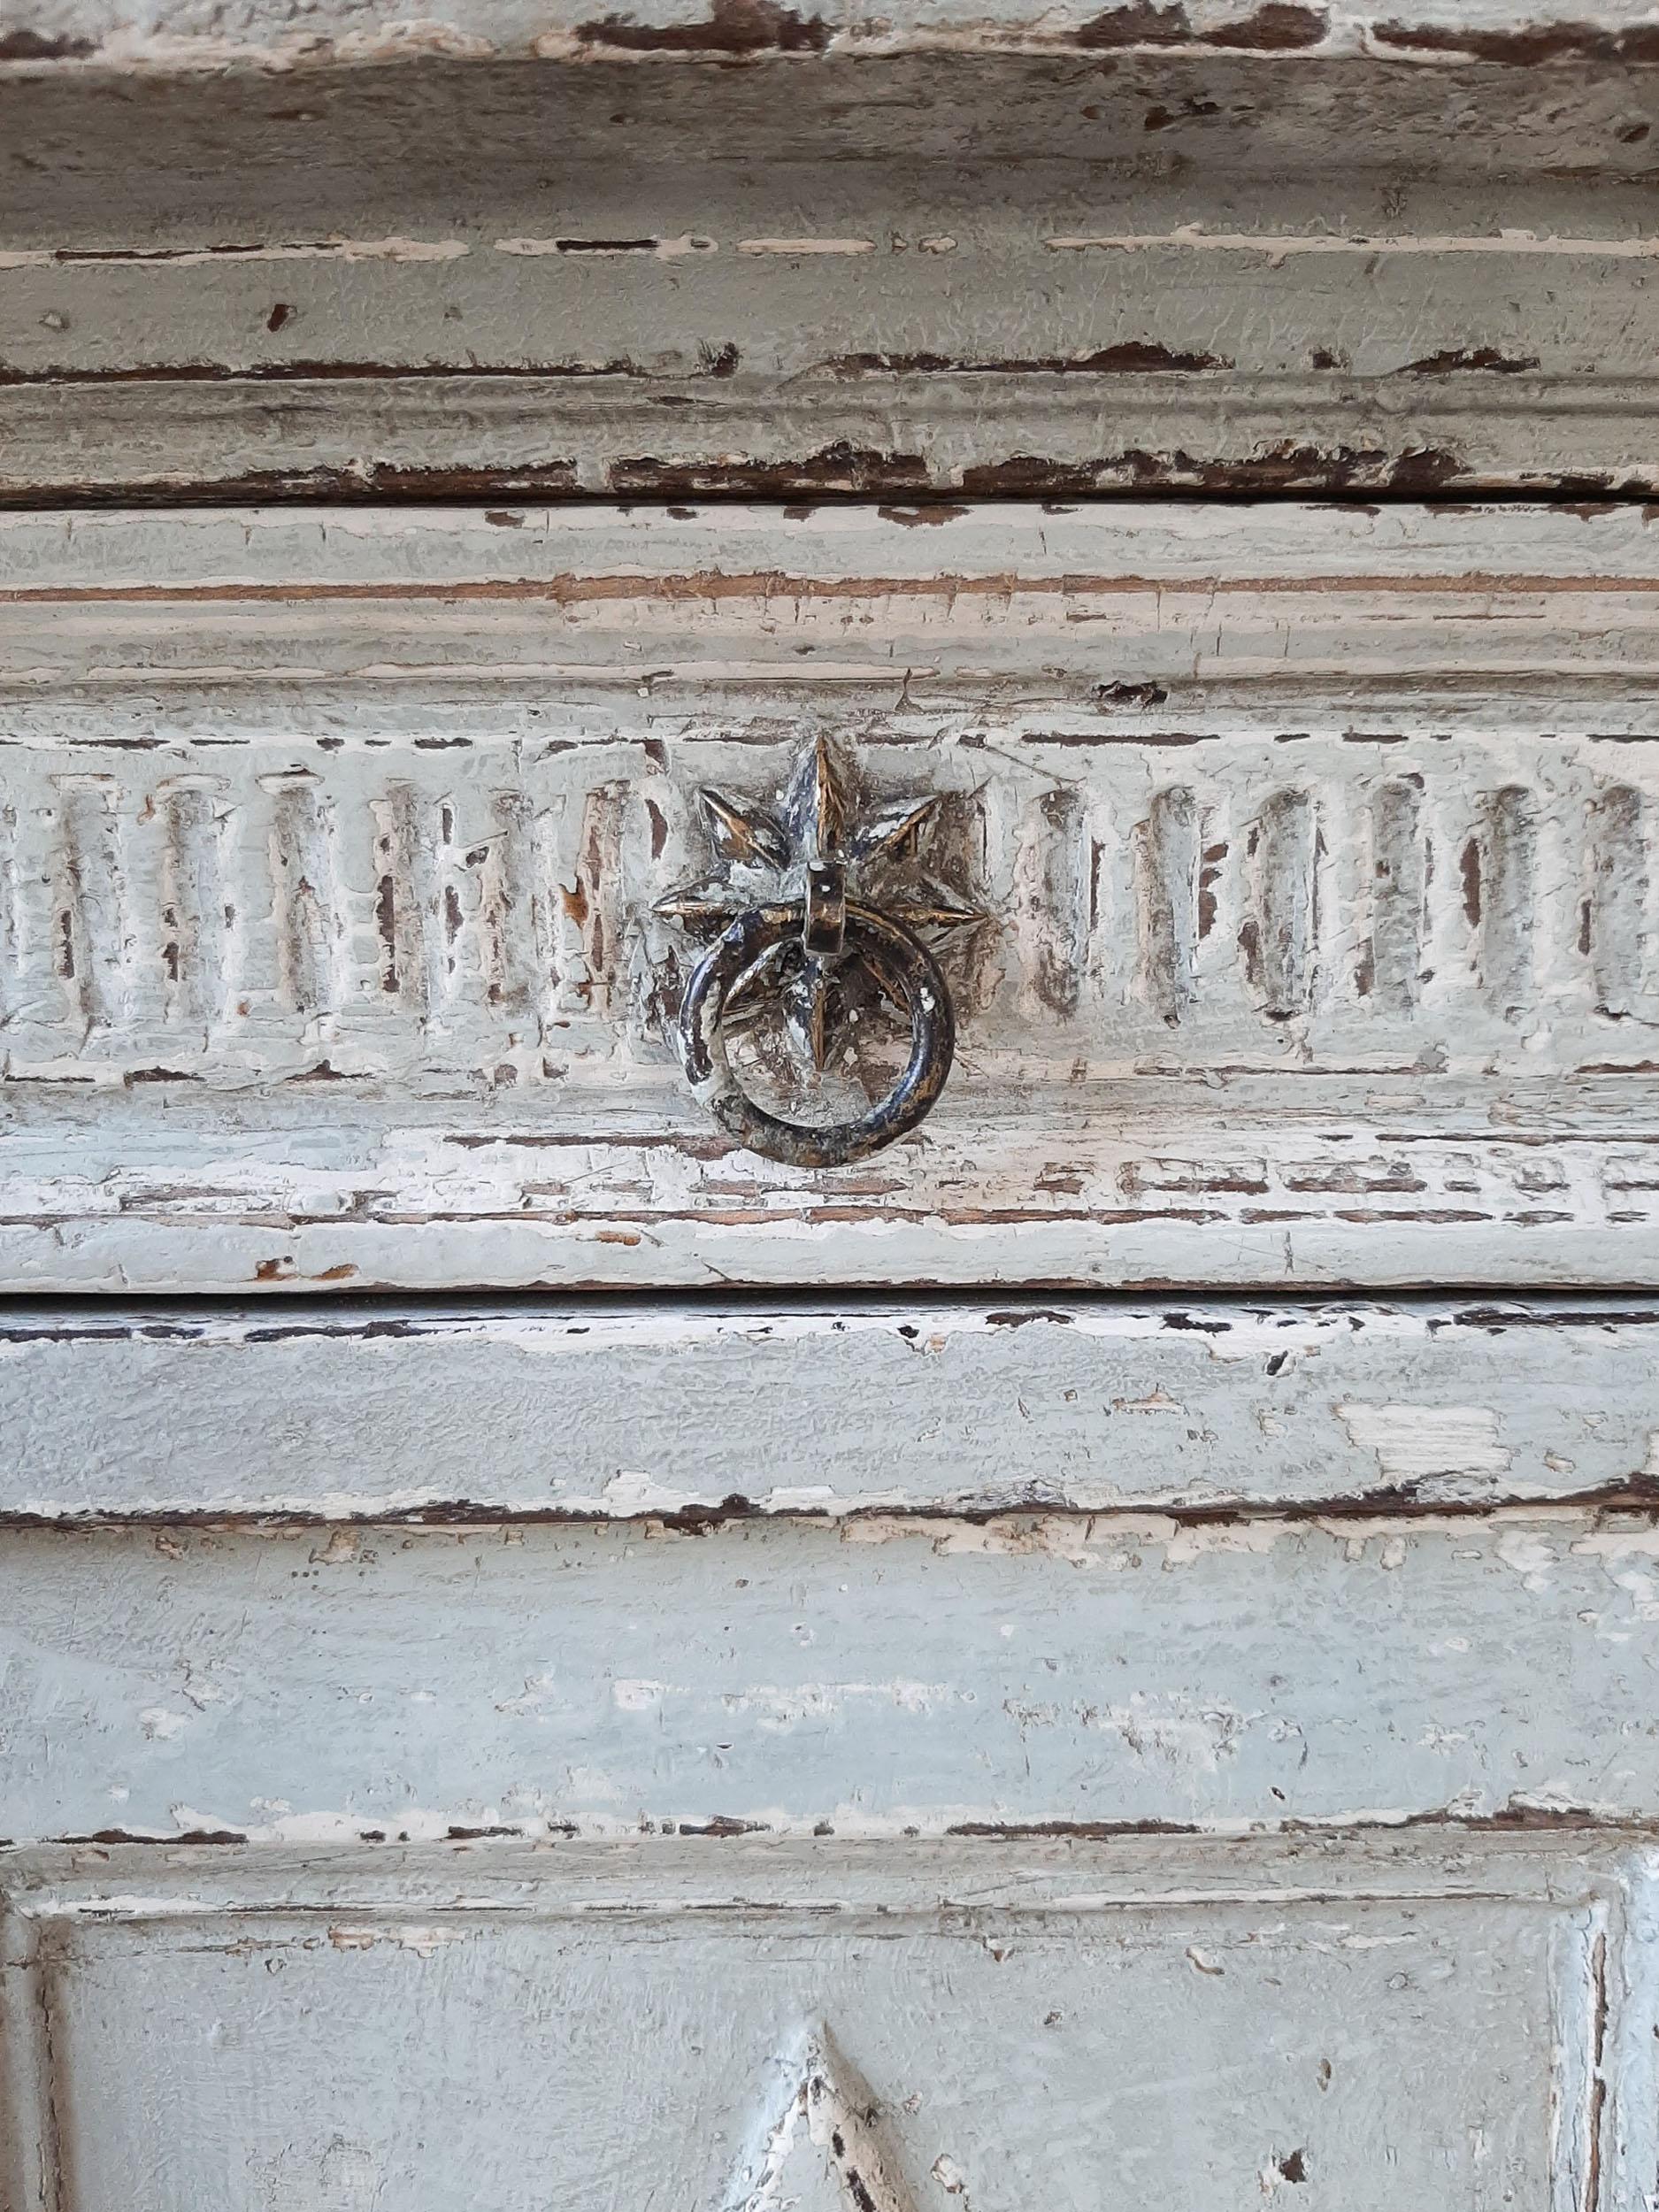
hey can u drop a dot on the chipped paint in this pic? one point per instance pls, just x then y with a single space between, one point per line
846 2021
1074 162
1276 251
349 249
1418 1443
876 1676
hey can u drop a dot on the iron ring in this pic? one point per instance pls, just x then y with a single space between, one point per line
902 961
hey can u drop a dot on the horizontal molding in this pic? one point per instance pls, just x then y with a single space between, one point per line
1319 845
876 434
1084 266
687 1416
1054 1878
277 33
464 918
944 604
320 1201
276 554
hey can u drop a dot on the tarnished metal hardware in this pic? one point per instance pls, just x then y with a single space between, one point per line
820 912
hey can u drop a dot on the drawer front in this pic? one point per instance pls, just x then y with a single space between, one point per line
1300 863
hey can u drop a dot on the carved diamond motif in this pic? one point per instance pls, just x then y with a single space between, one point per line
821 2147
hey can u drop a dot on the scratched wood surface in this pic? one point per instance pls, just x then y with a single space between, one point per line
667 250
1316 845
1464 2023
690 1414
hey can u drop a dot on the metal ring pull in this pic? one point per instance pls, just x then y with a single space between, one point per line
801 931
905 964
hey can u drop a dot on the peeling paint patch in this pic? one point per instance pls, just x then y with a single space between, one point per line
394 248
1277 248
796 246
1418 1443
629 1696
671 248
1530 1556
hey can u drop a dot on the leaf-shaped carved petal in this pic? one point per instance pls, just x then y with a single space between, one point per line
703 907
894 830
934 906
825 2136
816 805
746 999
810 1005
743 833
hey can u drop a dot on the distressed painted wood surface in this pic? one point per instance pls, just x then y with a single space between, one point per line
691 1414
1318 841
875 1675
669 250
176 35
1461 2025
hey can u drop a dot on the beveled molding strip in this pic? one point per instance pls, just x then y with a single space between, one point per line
879 433
1195 1416
1317 846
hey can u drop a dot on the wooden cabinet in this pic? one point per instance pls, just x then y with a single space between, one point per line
571 584
764 1755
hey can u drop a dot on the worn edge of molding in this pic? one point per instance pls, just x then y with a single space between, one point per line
595 549
886 438
55 34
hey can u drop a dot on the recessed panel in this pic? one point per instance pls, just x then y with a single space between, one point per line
827 2035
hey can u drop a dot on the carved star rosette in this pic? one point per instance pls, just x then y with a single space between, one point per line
823 916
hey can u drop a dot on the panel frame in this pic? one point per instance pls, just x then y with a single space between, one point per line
1600 1884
